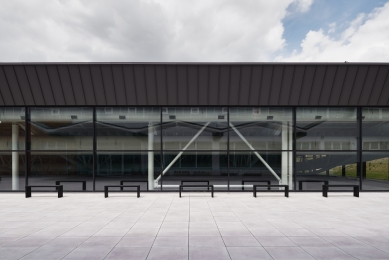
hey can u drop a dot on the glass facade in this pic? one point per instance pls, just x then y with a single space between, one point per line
160 147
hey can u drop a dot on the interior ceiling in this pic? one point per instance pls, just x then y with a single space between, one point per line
194 84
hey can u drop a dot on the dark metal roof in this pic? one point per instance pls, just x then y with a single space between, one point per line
194 84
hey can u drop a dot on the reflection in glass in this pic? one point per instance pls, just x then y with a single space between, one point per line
334 167
113 167
194 128
326 128
375 128
255 167
12 125
254 128
12 172
128 128
375 170
195 165
47 167
61 128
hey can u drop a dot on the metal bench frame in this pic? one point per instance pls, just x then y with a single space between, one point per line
195 186
121 186
59 188
355 189
269 186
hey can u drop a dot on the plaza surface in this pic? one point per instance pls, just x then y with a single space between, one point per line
196 226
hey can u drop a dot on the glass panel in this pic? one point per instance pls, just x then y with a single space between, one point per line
61 128
375 128
195 166
12 171
128 128
114 167
313 168
375 170
326 128
12 124
261 128
47 167
260 168
194 128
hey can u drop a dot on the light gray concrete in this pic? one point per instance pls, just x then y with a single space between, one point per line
196 226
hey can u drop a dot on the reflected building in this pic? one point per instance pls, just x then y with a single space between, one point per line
231 124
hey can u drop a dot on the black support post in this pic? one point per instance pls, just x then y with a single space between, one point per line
294 159
228 149
94 149
359 147
27 146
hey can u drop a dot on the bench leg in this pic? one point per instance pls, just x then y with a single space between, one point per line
121 183
268 183
147 183
84 185
138 191
242 185
106 192
28 192
255 192
180 192
287 192
356 191
300 185
60 192
325 191
212 191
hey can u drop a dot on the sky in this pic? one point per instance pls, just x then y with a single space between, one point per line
194 31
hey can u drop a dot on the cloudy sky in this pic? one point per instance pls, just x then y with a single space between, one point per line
194 31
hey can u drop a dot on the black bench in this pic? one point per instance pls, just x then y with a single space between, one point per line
355 189
121 186
182 182
83 183
123 181
301 182
196 186
267 181
59 188
279 186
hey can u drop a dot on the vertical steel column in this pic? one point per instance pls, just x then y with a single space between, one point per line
150 155
294 147
161 148
359 146
94 149
228 148
27 145
15 156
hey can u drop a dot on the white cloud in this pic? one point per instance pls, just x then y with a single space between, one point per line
365 39
304 5
143 30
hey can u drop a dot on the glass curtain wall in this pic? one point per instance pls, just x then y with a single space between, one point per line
375 148
12 148
128 141
227 147
194 146
260 147
61 147
326 144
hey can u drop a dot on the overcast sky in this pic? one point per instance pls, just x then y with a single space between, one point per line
192 31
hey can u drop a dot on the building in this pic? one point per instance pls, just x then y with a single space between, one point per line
168 122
